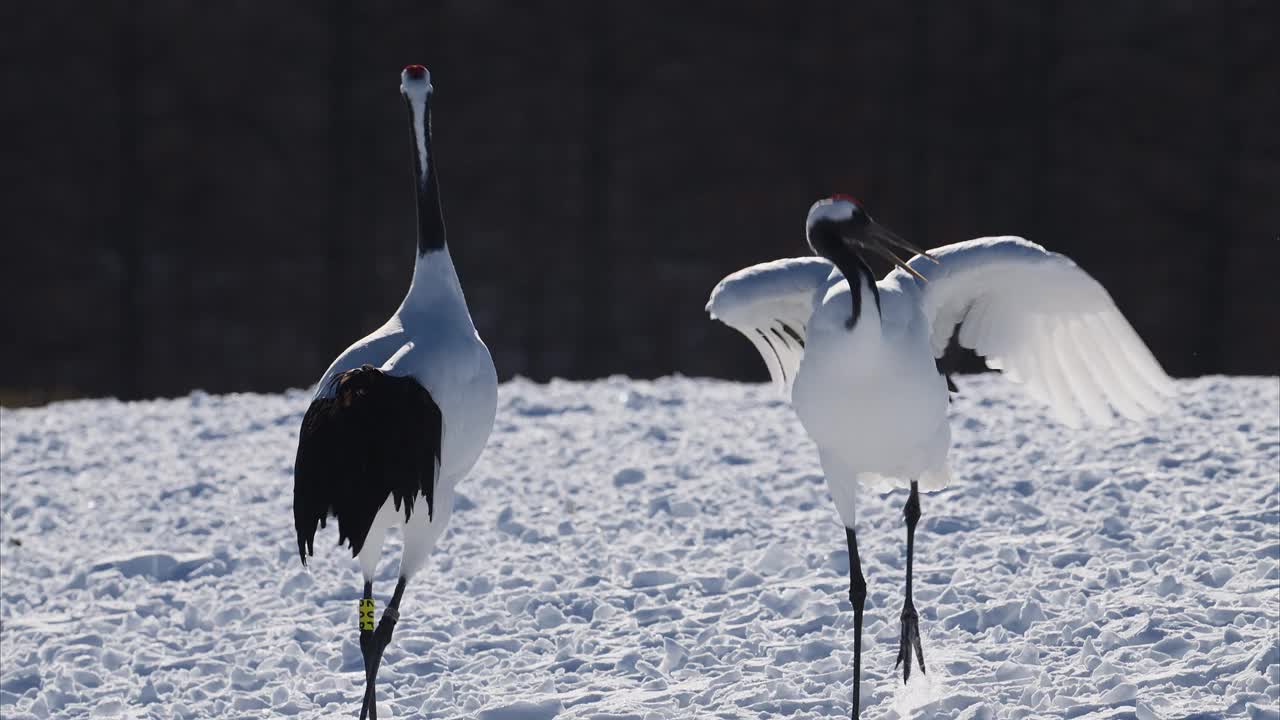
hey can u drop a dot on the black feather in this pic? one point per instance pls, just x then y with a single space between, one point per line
945 370
782 368
791 331
781 337
376 436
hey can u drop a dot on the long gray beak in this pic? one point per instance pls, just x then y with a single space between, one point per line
882 240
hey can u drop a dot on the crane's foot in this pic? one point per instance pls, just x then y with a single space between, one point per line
909 638
372 643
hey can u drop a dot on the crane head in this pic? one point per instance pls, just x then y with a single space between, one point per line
842 220
415 81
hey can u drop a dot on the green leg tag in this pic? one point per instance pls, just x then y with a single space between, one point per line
366 613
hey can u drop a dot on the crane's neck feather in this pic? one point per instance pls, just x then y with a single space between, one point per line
431 230
856 272
421 120
435 289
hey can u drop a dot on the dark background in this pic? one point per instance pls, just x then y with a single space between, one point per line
218 196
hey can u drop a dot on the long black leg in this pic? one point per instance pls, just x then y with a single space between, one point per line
367 646
910 620
857 598
379 639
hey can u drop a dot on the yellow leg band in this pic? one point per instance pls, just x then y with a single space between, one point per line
366 613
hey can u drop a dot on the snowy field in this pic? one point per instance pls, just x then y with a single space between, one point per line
650 550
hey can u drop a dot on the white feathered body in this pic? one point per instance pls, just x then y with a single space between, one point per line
870 397
431 338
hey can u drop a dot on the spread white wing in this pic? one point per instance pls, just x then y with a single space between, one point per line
1045 323
771 303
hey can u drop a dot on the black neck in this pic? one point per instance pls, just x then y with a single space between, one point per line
431 234
856 272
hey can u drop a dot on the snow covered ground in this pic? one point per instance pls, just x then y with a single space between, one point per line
650 550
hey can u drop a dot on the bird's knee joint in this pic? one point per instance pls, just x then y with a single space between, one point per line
911 511
858 591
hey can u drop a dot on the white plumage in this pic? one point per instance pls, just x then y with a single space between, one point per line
1031 313
430 338
401 416
857 357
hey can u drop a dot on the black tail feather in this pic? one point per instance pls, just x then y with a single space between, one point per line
371 435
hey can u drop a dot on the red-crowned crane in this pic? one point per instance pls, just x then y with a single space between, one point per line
400 416
857 357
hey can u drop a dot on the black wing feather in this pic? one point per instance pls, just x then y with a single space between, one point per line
376 436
